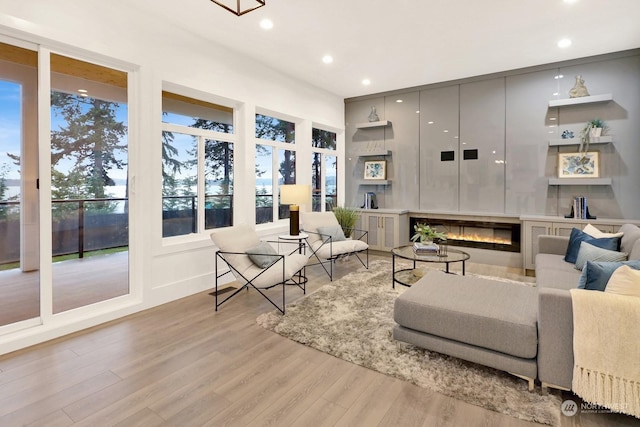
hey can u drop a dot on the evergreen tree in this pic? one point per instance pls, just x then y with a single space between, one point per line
91 138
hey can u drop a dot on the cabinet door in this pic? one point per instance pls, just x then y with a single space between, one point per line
439 157
482 146
372 222
389 232
564 228
533 229
607 228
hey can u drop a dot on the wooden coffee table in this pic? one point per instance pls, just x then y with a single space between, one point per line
408 276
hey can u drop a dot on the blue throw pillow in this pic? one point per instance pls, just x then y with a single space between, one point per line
263 255
596 274
578 236
336 233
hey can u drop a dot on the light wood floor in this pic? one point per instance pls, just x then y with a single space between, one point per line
20 292
183 364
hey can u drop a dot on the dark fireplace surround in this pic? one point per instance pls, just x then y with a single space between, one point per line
499 236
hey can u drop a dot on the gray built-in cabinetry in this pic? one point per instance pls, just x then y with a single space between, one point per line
387 228
508 119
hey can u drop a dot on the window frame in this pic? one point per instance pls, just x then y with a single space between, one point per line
324 152
202 135
276 146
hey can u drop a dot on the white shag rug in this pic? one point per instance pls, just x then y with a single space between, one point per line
352 318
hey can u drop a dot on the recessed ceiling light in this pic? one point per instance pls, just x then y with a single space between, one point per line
445 131
266 24
430 123
417 111
399 100
82 90
366 82
559 76
563 43
570 1
327 59
552 118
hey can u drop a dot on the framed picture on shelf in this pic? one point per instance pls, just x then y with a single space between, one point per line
375 170
578 165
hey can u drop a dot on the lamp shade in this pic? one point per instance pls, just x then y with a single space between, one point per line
295 194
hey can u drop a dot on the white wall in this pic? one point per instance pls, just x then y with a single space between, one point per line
163 270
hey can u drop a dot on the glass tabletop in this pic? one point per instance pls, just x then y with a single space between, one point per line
452 255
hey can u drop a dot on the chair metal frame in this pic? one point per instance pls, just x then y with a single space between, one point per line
220 255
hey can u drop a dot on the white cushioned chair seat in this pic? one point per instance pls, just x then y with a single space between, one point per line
238 238
242 237
324 249
338 248
292 264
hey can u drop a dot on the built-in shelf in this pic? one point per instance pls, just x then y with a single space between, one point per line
580 181
380 123
374 182
581 100
577 141
375 153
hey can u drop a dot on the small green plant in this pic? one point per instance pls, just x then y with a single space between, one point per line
347 218
424 233
596 123
591 124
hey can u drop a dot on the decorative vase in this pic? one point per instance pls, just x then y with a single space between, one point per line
442 250
373 116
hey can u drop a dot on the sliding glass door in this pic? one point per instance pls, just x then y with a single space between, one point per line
89 183
19 213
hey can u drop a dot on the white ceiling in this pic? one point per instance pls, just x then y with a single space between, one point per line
404 43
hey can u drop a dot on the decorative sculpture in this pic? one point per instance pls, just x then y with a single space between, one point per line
373 116
579 89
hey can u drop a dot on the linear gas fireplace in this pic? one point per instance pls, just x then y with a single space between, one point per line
499 236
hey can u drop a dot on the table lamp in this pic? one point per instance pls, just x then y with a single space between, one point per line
295 195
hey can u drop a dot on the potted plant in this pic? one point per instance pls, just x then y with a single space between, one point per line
425 234
593 128
347 218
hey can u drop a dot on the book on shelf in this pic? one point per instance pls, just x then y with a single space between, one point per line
425 248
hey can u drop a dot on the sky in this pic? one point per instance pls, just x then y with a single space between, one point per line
9 125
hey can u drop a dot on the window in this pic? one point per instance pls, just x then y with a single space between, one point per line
275 165
324 168
197 165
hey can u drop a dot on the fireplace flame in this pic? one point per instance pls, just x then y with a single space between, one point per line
478 238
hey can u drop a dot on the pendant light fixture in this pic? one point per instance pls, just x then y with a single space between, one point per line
240 7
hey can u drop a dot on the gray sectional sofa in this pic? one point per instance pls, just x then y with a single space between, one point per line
527 331
554 278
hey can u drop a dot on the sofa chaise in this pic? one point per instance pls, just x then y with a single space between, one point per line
524 330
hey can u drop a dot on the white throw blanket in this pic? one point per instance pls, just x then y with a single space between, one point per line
606 347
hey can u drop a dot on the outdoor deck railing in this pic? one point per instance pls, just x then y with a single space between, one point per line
83 225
